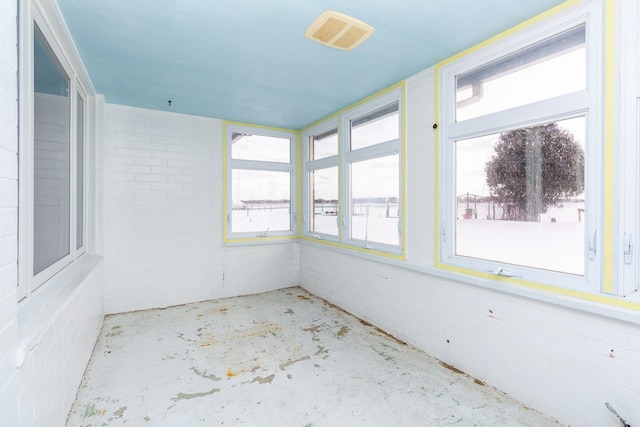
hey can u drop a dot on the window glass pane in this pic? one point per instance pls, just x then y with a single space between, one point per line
553 67
52 167
80 174
378 126
261 201
260 147
520 196
324 144
324 193
375 189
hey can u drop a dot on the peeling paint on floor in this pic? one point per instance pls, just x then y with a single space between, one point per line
280 358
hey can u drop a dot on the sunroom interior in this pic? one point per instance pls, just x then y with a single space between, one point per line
457 180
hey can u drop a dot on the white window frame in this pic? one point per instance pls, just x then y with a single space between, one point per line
313 165
258 165
81 93
587 103
627 181
343 160
28 283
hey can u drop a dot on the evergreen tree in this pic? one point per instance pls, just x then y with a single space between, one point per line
533 169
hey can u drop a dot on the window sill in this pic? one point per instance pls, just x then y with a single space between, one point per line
374 251
254 241
595 303
38 313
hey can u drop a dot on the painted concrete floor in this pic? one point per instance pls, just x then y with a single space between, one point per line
283 358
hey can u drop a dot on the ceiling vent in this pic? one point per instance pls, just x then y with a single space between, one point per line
337 30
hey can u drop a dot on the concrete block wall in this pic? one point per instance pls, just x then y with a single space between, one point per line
8 213
164 215
564 362
48 376
40 374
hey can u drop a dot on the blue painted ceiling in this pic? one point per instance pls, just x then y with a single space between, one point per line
248 60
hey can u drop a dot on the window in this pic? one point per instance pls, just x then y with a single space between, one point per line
353 177
52 158
260 182
519 156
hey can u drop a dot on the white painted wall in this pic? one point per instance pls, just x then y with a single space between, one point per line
8 214
44 348
54 345
164 216
46 341
564 362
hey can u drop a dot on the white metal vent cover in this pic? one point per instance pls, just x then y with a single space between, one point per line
338 30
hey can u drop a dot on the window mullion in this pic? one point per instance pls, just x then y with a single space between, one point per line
373 151
526 115
322 163
257 165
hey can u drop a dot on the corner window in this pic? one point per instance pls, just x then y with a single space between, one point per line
519 157
260 182
353 177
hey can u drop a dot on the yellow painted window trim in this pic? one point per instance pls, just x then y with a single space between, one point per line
225 168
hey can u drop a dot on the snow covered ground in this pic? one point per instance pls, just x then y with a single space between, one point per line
555 243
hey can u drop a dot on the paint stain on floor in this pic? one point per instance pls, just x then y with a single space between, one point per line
280 358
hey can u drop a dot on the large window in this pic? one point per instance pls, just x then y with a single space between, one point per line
51 157
52 233
353 176
520 155
260 182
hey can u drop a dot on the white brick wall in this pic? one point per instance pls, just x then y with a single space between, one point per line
164 216
8 213
40 391
254 269
54 361
554 359
162 191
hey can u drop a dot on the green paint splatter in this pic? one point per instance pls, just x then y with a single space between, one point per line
187 396
90 410
266 380
285 365
204 375
386 356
